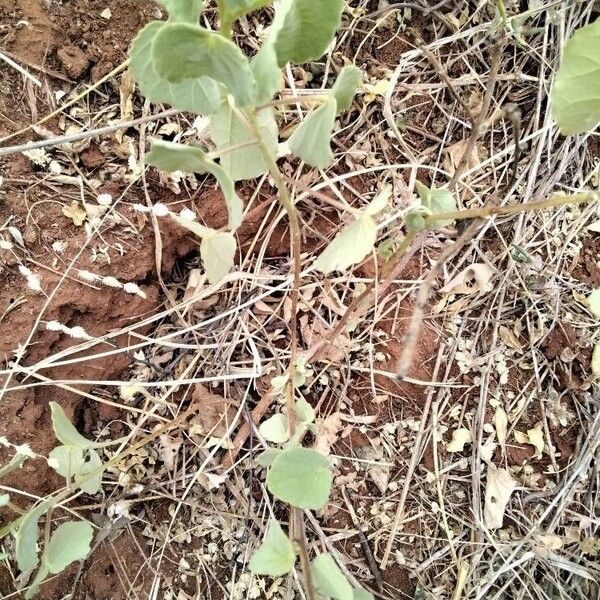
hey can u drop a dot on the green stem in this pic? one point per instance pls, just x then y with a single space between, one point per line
489 211
303 99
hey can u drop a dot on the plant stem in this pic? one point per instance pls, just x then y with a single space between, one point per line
304 99
513 209
295 242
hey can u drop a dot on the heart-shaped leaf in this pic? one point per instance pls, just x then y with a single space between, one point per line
329 579
575 97
308 26
312 139
345 87
182 51
200 95
275 556
218 254
70 542
228 130
301 477
275 429
349 247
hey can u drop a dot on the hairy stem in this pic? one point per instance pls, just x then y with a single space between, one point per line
513 209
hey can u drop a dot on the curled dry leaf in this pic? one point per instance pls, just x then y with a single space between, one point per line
169 448
475 278
328 432
460 437
75 213
499 488
216 414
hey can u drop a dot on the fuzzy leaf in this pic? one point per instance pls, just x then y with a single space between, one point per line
89 475
349 247
266 458
228 130
307 30
593 301
218 254
26 538
15 462
200 95
66 433
329 579
230 10
360 594
575 98
66 460
70 542
304 411
301 477
437 200
177 157
184 11
312 139
345 87
266 72
182 51
275 556
275 429
380 201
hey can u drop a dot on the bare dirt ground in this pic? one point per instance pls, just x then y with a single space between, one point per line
179 517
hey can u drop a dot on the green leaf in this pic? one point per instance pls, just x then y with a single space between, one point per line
4 500
301 477
304 411
275 556
66 460
177 157
275 429
26 538
228 130
66 432
230 10
266 72
183 51
218 254
349 247
34 586
266 458
307 30
415 218
329 579
89 476
437 200
199 95
593 301
380 201
70 542
184 11
575 97
312 139
15 462
360 594
345 87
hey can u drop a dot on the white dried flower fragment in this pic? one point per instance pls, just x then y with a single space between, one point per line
104 199
141 208
133 288
32 280
75 332
5 244
88 276
160 209
59 246
187 214
38 156
112 282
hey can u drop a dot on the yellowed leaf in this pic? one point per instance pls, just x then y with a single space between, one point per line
460 437
536 439
475 278
499 487
596 360
520 437
372 91
509 338
75 213
501 425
